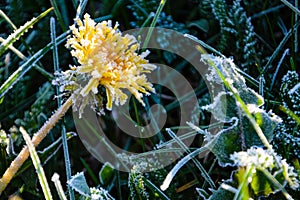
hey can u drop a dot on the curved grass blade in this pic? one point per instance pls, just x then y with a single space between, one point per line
205 175
11 81
179 165
19 32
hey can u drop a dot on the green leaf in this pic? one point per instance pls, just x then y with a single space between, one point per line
222 194
260 184
106 173
266 121
79 184
227 142
20 31
255 126
230 140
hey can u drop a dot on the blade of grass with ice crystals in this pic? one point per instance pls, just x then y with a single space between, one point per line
37 165
186 159
18 53
278 67
213 50
242 191
58 186
279 47
197 163
80 8
11 81
63 131
46 154
179 165
19 32
293 8
296 30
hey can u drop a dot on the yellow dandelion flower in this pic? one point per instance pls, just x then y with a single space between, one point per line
108 58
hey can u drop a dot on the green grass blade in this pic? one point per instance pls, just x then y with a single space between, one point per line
58 15
23 57
290 113
153 23
12 80
242 191
19 32
19 53
89 171
275 182
154 189
37 165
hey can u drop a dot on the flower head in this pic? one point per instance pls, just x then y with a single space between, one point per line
109 59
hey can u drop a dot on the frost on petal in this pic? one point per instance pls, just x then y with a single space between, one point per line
109 59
